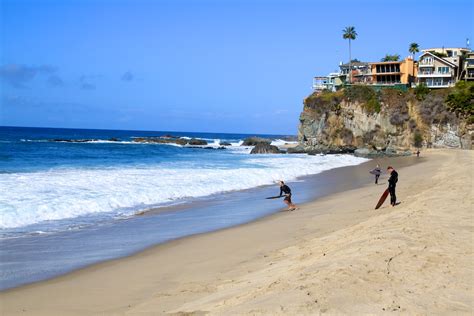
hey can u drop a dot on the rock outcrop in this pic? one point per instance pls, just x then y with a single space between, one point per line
170 140
197 142
389 122
265 148
253 141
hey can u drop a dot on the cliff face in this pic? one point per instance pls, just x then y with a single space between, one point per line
389 121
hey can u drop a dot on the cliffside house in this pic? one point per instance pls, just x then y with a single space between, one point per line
331 82
361 72
441 67
436 72
469 66
436 68
453 55
393 72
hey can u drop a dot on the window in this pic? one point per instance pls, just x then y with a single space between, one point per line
427 60
443 70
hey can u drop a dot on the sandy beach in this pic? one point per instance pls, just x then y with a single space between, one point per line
416 258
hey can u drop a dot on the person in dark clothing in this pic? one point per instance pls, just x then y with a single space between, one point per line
286 189
392 183
377 173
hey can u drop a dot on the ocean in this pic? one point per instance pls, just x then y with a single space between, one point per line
70 197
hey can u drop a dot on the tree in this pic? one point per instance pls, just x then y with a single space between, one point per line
413 49
461 100
349 33
440 55
421 91
417 139
389 57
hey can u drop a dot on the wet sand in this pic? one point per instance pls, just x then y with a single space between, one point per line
335 255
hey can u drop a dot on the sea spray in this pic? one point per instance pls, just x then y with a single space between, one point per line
62 193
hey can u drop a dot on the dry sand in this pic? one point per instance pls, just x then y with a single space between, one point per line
336 255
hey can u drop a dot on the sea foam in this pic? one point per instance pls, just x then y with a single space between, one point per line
34 197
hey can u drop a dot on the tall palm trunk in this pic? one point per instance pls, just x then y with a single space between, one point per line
350 63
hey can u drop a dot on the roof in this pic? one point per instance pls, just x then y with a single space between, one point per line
387 62
356 63
445 48
439 58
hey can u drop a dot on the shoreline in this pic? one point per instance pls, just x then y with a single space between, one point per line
130 236
210 272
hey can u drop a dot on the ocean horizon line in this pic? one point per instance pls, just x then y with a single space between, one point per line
160 131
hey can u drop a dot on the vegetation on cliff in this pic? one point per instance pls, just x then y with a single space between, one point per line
460 100
325 101
435 106
388 119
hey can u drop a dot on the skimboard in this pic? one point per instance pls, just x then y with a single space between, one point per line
382 199
275 197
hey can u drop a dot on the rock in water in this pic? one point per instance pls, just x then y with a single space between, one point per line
265 148
197 142
253 141
299 149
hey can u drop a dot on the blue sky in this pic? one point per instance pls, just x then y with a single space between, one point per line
205 66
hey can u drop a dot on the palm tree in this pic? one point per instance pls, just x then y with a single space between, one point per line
349 33
388 57
413 49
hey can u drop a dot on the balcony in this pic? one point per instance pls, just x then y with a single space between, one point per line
426 64
387 73
436 85
435 74
437 82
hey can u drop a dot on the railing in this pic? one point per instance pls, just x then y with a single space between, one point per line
432 84
436 74
439 85
387 72
386 83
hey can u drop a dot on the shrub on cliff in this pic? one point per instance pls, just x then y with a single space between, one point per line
421 91
364 95
396 103
359 93
324 101
461 100
433 109
417 139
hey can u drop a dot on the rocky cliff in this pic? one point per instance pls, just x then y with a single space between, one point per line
388 121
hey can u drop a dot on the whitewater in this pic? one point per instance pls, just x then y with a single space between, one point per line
29 198
70 198
46 181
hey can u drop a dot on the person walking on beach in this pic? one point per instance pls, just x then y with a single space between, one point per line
286 189
392 183
377 173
